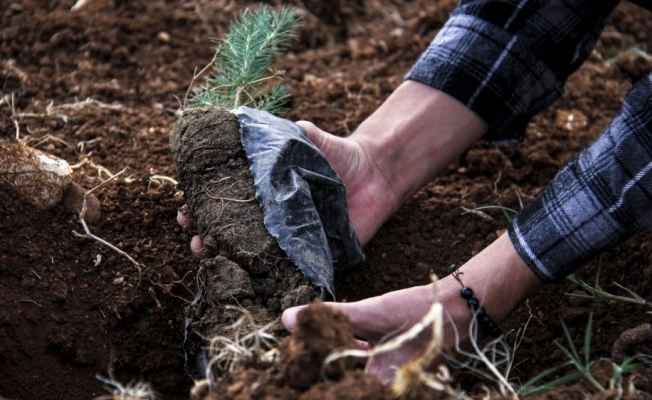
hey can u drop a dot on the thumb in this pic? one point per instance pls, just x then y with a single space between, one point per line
289 317
317 136
342 153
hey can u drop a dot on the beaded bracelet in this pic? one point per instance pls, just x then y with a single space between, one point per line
484 320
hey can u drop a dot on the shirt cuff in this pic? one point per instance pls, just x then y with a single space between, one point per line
600 199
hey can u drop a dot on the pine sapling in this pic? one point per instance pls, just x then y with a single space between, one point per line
242 72
243 263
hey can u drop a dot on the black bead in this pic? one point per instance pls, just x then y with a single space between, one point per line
467 292
480 312
490 326
453 268
496 331
473 303
484 319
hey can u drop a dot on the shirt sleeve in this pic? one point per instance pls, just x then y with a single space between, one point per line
600 199
509 60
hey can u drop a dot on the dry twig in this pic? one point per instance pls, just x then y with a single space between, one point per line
89 235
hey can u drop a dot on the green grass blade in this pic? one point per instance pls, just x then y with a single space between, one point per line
587 340
572 354
564 380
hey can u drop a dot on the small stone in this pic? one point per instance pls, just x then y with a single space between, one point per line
36 176
164 37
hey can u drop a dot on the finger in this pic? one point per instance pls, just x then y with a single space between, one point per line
289 317
364 345
197 247
183 217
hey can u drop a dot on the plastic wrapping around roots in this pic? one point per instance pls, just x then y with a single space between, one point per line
303 199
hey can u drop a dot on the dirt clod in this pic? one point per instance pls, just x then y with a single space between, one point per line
318 332
633 342
73 200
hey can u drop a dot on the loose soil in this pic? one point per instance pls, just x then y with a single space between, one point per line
71 308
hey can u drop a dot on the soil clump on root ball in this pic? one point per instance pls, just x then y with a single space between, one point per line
243 265
298 371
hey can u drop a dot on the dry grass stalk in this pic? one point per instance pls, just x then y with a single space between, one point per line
493 355
100 169
52 111
411 376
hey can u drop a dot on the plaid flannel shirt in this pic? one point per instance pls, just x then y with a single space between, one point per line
507 60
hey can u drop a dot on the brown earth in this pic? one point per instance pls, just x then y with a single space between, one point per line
70 307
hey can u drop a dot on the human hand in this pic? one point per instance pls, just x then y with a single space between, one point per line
374 319
371 199
499 278
370 196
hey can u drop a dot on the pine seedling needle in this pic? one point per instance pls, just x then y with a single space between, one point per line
242 73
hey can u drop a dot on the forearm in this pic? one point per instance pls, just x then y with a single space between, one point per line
415 134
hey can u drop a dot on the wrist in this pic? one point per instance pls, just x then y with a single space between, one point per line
499 279
415 134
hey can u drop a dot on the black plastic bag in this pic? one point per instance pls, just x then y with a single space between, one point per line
303 199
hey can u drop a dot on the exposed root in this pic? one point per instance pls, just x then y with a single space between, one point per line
27 140
89 235
79 5
100 169
229 352
52 111
493 355
167 288
82 145
132 391
159 179
210 196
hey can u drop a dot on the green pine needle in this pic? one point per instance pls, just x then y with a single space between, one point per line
242 73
